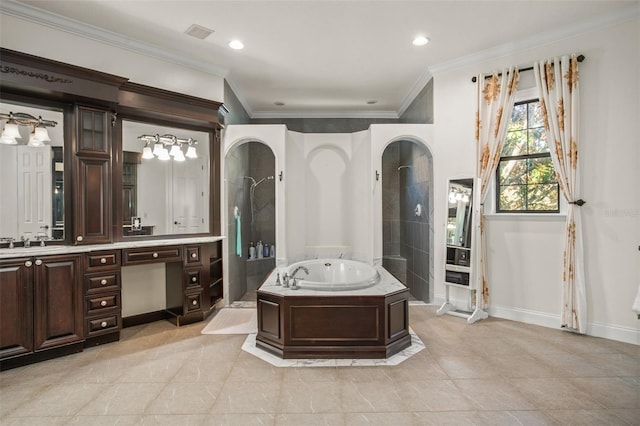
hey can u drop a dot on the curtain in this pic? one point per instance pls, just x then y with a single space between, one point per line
557 82
495 96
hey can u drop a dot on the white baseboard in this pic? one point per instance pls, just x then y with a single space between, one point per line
606 331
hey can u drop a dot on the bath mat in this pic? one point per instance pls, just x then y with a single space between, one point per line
233 321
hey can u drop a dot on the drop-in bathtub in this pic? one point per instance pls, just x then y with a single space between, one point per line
342 309
335 274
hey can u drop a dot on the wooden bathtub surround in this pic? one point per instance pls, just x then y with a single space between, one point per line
333 325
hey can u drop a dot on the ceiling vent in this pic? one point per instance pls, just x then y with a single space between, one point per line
198 31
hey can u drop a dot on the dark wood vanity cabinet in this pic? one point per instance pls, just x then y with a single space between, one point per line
102 297
93 176
40 307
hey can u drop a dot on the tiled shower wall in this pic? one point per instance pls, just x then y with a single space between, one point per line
407 238
256 160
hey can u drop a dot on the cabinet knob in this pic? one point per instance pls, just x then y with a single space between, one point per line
103 282
155 255
103 260
194 255
194 279
103 324
28 264
38 262
79 238
103 303
194 303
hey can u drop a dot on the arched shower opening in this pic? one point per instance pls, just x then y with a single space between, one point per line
407 216
251 218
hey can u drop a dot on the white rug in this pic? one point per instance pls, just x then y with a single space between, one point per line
233 321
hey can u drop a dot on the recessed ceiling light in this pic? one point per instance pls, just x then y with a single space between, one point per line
372 102
236 45
279 103
198 31
420 41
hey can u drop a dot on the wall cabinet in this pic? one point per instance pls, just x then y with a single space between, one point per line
40 305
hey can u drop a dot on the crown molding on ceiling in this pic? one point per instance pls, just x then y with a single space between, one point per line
239 95
327 114
601 21
72 26
414 92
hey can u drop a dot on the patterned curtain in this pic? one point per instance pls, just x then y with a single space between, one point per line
557 81
495 103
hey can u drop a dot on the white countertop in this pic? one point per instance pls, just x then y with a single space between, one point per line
36 250
388 284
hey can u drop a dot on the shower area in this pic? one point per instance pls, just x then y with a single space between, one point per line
251 224
407 216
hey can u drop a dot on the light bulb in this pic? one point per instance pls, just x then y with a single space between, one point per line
147 153
179 156
11 130
34 141
157 148
175 148
164 155
191 152
41 134
7 140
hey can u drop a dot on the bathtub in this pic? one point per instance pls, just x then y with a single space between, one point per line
335 274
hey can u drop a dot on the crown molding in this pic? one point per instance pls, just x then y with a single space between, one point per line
414 92
327 114
239 95
90 32
601 21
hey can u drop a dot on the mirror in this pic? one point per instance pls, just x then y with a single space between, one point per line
32 178
164 197
460 197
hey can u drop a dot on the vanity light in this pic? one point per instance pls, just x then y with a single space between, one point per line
11 130
161 143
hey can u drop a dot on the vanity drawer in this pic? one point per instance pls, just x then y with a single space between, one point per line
105 324
192 302
192 279
100 303
102 282
152 254
193 254
102 260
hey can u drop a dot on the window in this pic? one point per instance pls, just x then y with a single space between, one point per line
526 180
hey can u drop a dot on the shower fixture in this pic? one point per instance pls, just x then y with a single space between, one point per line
404 167
252 189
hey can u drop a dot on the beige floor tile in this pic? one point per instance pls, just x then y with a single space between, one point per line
228 419
370 397
588 417
185 398
461 367
365 374
550 394
310 397
444 418
105 420
305 375
151 371
612 392
433 395
173 419
122 399
379 419
522 365
493 394
33 421
248 397
200 371
307 419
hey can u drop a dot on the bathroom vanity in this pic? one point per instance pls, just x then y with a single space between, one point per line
83 198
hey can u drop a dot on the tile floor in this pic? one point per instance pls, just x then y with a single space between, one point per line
494 372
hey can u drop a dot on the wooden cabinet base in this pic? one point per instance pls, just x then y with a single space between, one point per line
34 357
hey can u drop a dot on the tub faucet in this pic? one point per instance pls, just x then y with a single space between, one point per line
285 280
295 271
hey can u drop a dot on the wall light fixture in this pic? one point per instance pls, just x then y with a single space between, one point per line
167 146
11 130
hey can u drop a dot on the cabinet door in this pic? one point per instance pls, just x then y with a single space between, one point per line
93 194
94 132
58 301
16 307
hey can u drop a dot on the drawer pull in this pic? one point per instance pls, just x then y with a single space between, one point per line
103 324
103 282
194 303
38 262
103 260
103 303
194 255
79 238
28 264
155 255
194 279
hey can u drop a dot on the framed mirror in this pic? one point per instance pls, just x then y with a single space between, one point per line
460 212
32 172
165 180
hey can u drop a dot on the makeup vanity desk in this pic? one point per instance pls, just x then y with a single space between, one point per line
57 300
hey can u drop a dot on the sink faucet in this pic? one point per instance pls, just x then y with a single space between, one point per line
26 242
294 285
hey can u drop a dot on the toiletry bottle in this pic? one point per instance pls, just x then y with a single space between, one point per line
259 249
272 252
252 251
265 250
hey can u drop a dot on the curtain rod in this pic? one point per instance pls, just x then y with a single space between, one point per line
580 58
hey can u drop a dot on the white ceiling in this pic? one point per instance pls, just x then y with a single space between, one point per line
328 58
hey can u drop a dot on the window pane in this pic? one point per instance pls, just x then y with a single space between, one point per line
537 140
535 115
512 172
541 171
542 197
512 197
518 117
515 143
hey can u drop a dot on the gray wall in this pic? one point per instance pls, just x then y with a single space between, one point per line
324 125
237 114
421 109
